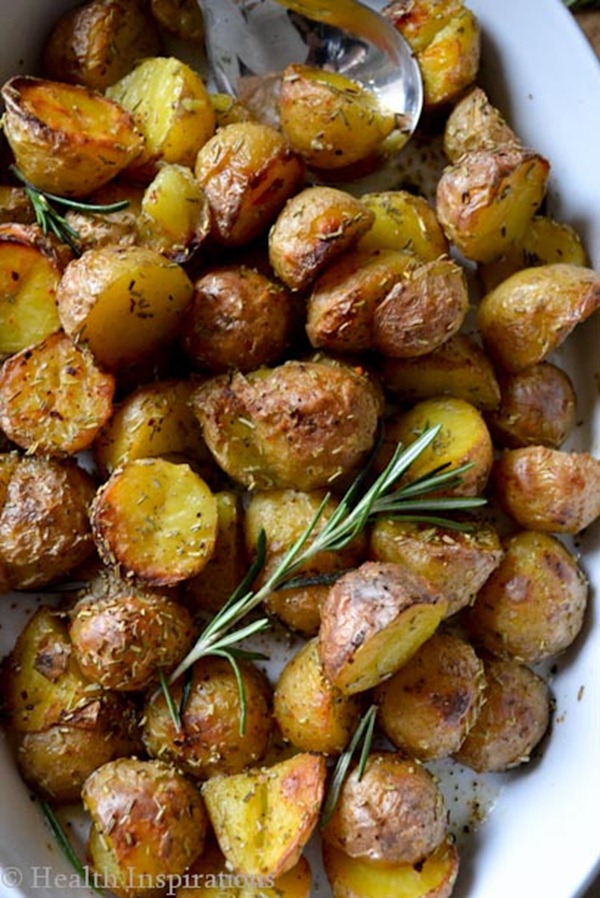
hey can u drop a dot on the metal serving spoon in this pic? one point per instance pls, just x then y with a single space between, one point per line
251 41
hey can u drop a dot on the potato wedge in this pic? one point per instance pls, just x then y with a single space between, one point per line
155 519
264 818
29 274
373 620
352 877
172 109
54 398
123 302
532 312
66 139
403 221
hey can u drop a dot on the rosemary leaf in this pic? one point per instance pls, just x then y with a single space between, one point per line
171 705
363 733
65 846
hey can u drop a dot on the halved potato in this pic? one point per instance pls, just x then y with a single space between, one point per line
66 139
175 216
403 221
264 818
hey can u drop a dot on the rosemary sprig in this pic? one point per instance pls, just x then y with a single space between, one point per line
363 733
66 847
47 206
174 711
347 521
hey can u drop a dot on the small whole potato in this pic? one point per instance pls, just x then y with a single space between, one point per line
532 606
512 721
428 706
394 813
212 739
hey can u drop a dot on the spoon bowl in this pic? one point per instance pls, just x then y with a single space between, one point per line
250 42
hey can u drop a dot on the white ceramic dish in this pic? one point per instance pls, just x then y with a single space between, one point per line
541 838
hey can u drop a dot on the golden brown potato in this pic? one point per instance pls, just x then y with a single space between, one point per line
284 515
458 368
148 823
172 109
311 713
123 637
181 18
537 408
263 818
301 425
98 42
95 229
155 519
404 222
123 302
394 813
155 419
548 489
57 761
315 227
239 318
545 241
214 738
533 605
430 704
486 199
463 439
42 684
248 171
532 312
445 37
54 398
514 718
475 124
175 215
329 119
423 309
44 520
351 877
373 620
29 274
456 562
66 139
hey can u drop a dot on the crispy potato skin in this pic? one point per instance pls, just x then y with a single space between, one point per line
514 718
300 425
393 813
475 124
549 489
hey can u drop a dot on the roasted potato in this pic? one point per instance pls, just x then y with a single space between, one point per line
315 227
548 489
248 171
283 515
123 302
373 620
393 813
172 109
44 520
155 519
263 818
351 877
15 206
430 704
537 408
300 425
148 823
238 319
155 419
475 124
123 637
458 368
311 713
66 139
121 227
456 562
229 110
99 42
30 270
533 605
486 199
512 721
532 312
329 119
404 222
54 398
181 18
214 738
175 215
